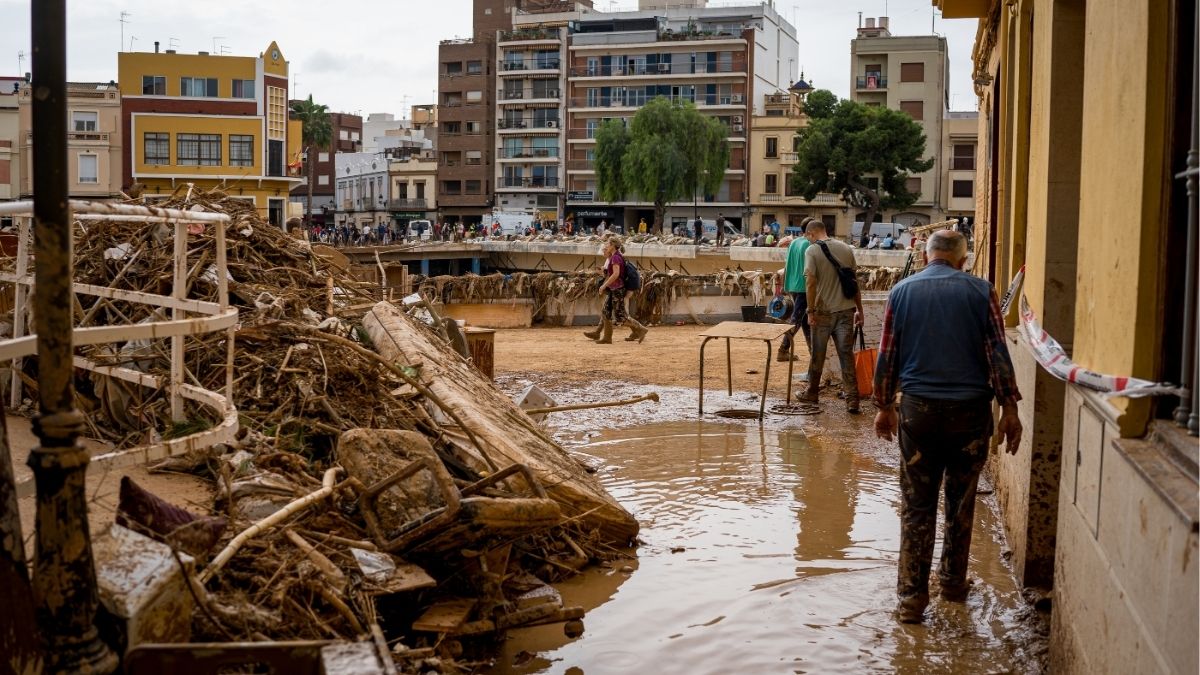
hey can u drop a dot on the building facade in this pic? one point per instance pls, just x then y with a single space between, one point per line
725 60
773 148
94 146
1086 178
960 133
10 141
413 188
213 121
910 74
347 137
363 189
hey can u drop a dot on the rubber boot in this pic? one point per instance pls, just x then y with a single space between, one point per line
637 332
606 335
595 334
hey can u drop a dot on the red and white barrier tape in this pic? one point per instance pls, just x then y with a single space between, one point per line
1053 358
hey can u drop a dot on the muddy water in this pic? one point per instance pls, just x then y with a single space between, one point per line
767 553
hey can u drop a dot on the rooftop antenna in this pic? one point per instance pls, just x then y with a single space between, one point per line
172 43
215 38
123 20
20 62
132 39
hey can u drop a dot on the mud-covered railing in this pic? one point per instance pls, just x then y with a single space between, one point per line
214 316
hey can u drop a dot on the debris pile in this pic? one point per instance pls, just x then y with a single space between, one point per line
379 486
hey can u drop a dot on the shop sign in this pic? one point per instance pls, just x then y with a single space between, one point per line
581 196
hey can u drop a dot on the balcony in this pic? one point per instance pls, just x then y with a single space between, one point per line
522 67
406 205
530 35
635 99
534 182
871 82
529 124
788 157
640 68
581 165
522 96
528 153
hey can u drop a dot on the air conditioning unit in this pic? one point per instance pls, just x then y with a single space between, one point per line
664 67
738 127
736 98
737 119
553 93
551 124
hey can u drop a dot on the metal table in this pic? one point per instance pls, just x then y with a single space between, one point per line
741 330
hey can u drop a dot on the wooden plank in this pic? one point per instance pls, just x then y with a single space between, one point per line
445 617
481 342
408 577
492 315
742 330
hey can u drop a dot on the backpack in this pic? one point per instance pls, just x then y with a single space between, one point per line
632 278
846 276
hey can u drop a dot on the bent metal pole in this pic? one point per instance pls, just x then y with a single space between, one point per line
64 576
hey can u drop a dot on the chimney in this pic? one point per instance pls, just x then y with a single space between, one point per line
883 22
170 51
870 22
202 53
156 46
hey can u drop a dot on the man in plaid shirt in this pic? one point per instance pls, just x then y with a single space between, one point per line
943 347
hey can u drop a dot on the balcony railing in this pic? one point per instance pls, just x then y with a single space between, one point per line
536 153
527 181
581 165
636 68
635 99
522 94
871 82
788 157
406 204
518 65
553 123
529 34
779 99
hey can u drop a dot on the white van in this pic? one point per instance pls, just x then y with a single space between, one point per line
898 232
510 223
709 228
422 227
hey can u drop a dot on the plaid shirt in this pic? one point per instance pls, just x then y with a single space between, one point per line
1000 369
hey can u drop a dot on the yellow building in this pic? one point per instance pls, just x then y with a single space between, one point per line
211 120
772 156
1087 135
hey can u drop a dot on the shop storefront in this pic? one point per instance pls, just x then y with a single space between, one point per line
588 218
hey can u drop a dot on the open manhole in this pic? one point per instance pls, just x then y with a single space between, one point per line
738 414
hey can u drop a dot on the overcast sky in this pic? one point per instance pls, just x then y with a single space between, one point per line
368 56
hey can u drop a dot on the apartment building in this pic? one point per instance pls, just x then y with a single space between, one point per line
363 189
93 140
213 121
911 74
10 141
773 147
725 60
347 135
413 193
960 133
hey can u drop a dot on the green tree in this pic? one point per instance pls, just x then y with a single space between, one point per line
316 134
819 104
669 152
847 144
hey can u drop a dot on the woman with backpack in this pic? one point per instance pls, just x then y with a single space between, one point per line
612 289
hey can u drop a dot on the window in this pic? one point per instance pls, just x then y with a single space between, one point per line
915 109
241 150
154 85
420 185
473 187
198 86
913 185
452 128
198 149
474 128
343 135
243 88
772 147
88 169
964 157
789 189
772 184
354 135
454 68
323 179
451 187
84 121
912 72
474 157
157 148
963 188
322 156
474 67
474 96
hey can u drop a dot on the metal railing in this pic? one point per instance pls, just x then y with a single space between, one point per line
523 94
553 123
637 68
536 153
404 204
871 82
518 65
215 316
527 181
637 99
528 34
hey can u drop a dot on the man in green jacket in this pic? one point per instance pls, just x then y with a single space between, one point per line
793 285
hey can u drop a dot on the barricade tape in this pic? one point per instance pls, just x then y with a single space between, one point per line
1053 358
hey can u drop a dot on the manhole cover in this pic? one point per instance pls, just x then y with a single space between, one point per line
738 414
796 409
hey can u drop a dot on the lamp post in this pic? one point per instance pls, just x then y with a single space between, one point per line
64 575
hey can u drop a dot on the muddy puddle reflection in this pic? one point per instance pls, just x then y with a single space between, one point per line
766 553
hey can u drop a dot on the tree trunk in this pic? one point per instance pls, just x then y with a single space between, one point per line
869 215
660 217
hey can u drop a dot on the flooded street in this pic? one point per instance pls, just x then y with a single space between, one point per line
767 552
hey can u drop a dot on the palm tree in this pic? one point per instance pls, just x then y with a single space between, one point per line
317 133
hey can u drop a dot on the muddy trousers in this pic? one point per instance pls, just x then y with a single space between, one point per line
838 326
799 321
941 441
614 306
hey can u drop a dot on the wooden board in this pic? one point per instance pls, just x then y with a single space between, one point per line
482 342
491 315
445 617
742 330
508 434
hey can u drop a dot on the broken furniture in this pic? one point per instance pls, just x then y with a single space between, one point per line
741 330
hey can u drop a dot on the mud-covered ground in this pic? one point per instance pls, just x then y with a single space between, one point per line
766 548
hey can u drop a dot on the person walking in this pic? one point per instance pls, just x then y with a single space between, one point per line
612 289
943 347
831 314
793 285
720 230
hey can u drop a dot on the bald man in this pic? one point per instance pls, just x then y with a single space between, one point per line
943 348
